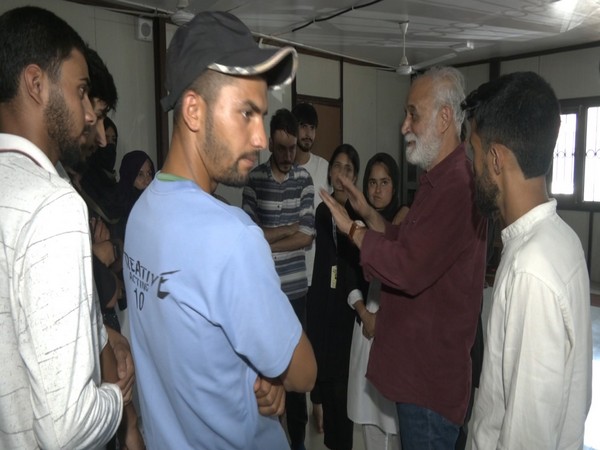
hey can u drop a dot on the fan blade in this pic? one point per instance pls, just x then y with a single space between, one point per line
433 61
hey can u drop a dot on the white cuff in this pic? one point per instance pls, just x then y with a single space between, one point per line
354 296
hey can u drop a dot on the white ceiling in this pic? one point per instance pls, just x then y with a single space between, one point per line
372 33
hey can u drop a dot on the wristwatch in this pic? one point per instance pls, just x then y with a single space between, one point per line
355 226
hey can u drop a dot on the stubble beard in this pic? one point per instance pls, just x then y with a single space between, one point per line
486 194
217 151
59 122
303 147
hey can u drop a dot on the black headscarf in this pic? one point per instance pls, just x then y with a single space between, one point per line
392 169
127 193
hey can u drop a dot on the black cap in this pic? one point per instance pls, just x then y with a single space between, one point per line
220 41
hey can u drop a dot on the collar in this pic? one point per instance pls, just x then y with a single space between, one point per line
164 176
524 223
28 148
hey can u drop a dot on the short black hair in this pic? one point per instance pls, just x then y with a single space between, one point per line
102 85
351 152
520 111
32 35
284 120
306 113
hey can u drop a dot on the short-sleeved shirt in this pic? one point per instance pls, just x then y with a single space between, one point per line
207 314
272 204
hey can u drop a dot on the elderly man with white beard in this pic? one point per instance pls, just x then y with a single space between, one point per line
432 271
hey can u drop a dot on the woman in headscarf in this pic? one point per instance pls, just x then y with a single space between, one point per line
366 406
135 174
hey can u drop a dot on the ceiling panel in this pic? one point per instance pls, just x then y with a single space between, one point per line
466 30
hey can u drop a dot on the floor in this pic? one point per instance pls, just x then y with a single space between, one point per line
314 441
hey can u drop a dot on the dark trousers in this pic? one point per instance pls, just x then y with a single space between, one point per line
336 425
295 403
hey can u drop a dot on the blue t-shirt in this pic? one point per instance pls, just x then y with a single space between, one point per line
207 314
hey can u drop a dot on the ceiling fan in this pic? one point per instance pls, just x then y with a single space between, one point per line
405 68
181 14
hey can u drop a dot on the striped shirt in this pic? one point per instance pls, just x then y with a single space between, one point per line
272 204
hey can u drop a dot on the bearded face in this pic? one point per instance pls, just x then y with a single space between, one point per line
422 150
486 192
61 127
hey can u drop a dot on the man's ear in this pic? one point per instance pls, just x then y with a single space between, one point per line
271 144
498 154
446 117
193 111
35 82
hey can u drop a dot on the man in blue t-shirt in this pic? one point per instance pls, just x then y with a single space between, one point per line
215 340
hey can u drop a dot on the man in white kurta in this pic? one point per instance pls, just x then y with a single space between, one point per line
535 388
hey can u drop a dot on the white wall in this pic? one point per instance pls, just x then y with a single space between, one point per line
373 111
475 76
392 90
130 62
318 77
572 74
360 111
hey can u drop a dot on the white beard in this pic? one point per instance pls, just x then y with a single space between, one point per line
423 150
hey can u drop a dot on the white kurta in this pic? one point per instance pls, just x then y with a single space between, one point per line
535 388
50 330
366 406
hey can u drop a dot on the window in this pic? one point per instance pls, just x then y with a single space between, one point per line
575 174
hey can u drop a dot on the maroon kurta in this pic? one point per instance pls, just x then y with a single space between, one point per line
432 269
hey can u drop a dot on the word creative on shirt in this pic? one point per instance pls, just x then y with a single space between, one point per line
144 279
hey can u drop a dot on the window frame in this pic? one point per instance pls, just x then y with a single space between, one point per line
575 201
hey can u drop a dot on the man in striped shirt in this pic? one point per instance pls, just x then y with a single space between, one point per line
279 198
